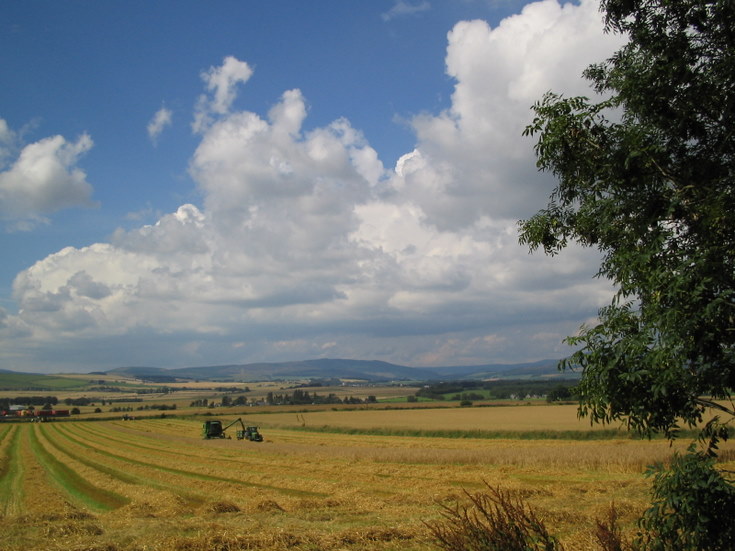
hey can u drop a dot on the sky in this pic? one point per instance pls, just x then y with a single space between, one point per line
188 183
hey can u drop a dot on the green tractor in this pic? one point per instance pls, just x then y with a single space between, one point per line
250 433
214 429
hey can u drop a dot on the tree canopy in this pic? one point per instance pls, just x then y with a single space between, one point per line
645 174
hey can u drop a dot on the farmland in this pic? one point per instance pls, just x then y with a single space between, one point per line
154 484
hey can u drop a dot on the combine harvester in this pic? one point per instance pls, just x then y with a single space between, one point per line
214 429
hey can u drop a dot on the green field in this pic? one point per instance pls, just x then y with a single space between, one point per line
40 383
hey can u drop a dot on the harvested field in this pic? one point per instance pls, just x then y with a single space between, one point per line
155 484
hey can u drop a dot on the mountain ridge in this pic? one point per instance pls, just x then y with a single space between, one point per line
335 368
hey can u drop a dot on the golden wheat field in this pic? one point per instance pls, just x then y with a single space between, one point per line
154 484
510 419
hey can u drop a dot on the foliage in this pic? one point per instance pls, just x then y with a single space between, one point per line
488 390
494 521
646 176
5 403
559 393
162 407
81 401
693 507
302 397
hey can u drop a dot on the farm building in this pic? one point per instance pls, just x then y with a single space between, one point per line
16 409
22 411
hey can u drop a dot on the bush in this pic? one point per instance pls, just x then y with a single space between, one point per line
693 507
493 521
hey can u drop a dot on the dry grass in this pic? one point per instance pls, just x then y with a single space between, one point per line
311 490
525 418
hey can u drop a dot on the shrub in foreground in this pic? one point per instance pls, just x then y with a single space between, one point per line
493 521
693 507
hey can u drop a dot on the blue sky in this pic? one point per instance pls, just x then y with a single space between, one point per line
191 183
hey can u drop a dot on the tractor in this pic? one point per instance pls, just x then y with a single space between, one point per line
214 429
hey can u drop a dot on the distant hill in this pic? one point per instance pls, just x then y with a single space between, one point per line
16 372
308 369
12 380
367 370
140 372
541 368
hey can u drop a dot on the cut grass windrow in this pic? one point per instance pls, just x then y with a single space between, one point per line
125 476
200 453
210 478
93 497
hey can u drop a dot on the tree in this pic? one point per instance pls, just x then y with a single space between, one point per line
646 174
680 495
559 393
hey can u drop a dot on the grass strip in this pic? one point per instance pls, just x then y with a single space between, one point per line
5 432
11 474
592 435
73 484
10 454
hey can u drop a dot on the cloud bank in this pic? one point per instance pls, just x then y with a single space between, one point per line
305 245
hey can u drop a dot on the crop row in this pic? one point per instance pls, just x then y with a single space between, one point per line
108 465
151 479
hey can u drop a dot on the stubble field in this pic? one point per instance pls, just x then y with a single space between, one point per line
154 484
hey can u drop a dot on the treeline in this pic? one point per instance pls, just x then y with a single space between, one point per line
5 403
303 397
225 401
169 390
319 382
498 390
161 407
297 397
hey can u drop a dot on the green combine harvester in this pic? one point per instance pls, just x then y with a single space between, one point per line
214 429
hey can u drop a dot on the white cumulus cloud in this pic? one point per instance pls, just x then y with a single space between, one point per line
221 83
42 179
305 244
